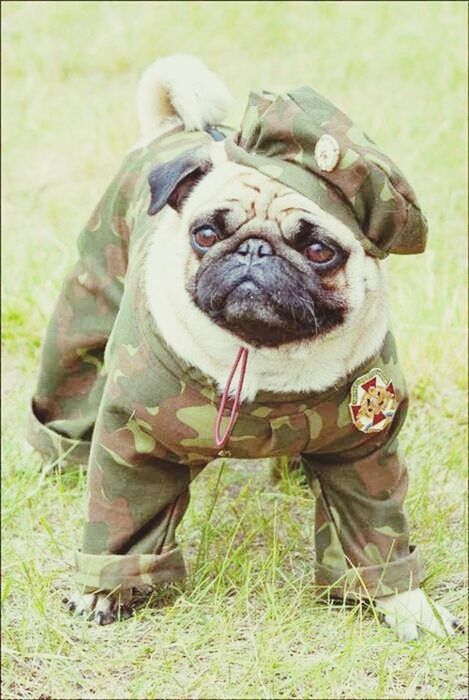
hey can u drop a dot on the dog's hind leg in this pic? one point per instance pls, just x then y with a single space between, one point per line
72 375
283 466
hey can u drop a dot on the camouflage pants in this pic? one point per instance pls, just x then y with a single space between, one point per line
139 473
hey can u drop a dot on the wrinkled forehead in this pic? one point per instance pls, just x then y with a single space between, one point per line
248 194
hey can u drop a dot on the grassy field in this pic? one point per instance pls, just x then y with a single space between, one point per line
246 624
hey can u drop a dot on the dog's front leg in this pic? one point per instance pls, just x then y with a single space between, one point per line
362 544
129 543
102 607
411 611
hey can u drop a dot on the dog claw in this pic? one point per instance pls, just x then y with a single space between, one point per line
106 618
125 613
458 626
103 619
98 618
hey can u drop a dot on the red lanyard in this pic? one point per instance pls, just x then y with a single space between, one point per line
242 357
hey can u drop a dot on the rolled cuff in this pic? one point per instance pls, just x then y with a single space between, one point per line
111 571
65 451
372 582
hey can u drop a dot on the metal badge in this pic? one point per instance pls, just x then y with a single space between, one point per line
372 402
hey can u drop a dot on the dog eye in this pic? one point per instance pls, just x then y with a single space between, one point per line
319 253
205 236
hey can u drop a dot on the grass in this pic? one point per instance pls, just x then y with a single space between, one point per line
246 624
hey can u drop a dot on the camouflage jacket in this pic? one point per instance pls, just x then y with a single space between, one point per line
151 403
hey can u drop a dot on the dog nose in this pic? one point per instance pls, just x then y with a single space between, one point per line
253 249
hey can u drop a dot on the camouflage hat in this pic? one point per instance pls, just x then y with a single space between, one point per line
305 142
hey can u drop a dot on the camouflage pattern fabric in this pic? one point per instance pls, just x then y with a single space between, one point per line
364 188
72 374
110 385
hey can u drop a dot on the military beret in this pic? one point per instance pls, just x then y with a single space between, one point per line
304 141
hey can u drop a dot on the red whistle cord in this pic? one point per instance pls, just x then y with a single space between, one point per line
242 357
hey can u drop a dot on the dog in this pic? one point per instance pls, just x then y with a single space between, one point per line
266 299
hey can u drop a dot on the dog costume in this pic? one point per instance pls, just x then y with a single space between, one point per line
111 390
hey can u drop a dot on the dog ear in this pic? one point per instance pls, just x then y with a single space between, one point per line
170 183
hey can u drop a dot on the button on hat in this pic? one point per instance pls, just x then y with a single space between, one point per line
327 153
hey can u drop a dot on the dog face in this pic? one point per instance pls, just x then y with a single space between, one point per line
258 259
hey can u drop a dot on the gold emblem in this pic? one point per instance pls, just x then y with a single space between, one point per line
372 402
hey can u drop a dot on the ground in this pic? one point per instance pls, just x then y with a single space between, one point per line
246 624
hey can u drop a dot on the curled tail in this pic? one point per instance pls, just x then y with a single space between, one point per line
180 88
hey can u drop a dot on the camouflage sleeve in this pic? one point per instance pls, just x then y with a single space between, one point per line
138 492
129 537
361 529
71 378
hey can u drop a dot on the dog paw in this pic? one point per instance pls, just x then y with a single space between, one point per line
102 608
410 612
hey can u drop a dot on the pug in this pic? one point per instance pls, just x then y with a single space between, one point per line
255 285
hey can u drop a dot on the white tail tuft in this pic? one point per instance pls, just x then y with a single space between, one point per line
178 88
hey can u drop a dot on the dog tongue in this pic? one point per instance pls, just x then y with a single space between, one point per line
241 357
